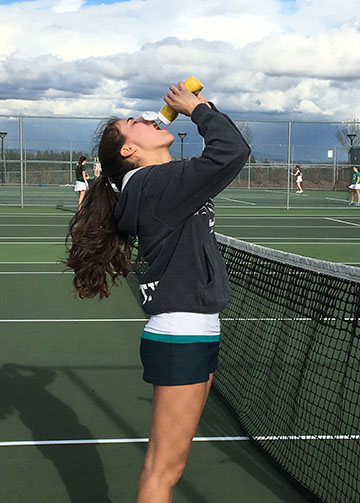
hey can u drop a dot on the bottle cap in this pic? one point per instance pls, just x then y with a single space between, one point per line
194 85
150 116
163 119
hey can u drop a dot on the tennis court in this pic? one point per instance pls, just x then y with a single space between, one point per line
75 411
235 197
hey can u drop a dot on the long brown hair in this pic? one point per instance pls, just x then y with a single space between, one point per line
80 163
96 250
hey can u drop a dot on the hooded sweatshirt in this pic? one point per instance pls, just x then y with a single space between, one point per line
170 208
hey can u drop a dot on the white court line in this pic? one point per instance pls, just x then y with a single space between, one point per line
237 201
35 272
337 200
280 238
309 437
31 237
126 320
110 441
292 208
275 216
32 243
272 438
281 192
285 319
275 191
30 215
18 263
341 221
33 225
77 320
286 243
285 226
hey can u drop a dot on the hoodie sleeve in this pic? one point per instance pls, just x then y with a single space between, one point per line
178 189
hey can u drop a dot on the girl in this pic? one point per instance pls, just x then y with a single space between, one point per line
299 179
168 205
355 187
81 184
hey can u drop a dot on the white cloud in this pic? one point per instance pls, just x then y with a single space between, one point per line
68 5
314 16
325 55
64 57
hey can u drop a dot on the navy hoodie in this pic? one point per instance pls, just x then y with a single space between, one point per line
169 207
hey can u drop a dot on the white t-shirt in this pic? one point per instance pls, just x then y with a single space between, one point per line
180 323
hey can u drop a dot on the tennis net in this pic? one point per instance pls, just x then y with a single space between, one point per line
289 364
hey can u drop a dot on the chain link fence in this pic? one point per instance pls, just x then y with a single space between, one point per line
39 154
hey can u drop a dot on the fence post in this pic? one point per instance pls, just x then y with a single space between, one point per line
71 161
335 169
21 162
25 163
292 162
288 166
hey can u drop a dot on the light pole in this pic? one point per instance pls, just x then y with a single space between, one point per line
182 136
351 137
2 136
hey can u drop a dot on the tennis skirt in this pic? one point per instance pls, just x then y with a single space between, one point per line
80 186
354 186
180 348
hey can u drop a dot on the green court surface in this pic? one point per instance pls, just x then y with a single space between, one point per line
74 409
279 198
44 195
325 234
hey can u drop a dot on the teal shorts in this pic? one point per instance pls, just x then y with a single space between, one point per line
173 360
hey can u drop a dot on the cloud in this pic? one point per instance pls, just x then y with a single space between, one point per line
328 55
270 56
68 5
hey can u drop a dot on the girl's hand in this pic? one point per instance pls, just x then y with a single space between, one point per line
182 100
202 99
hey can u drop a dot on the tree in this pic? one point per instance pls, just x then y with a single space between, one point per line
245 131
351 126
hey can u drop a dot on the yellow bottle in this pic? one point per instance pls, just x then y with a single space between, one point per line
167 114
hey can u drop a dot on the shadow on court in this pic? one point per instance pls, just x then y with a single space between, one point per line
66 209
22 390
186 488
217 420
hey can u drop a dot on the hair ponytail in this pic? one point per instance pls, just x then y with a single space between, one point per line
80 163
81 160
96 250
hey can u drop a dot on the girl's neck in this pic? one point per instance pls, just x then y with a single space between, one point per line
158 157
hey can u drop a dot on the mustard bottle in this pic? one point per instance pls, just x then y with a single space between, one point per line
167 114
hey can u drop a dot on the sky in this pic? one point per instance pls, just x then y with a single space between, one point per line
286 59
